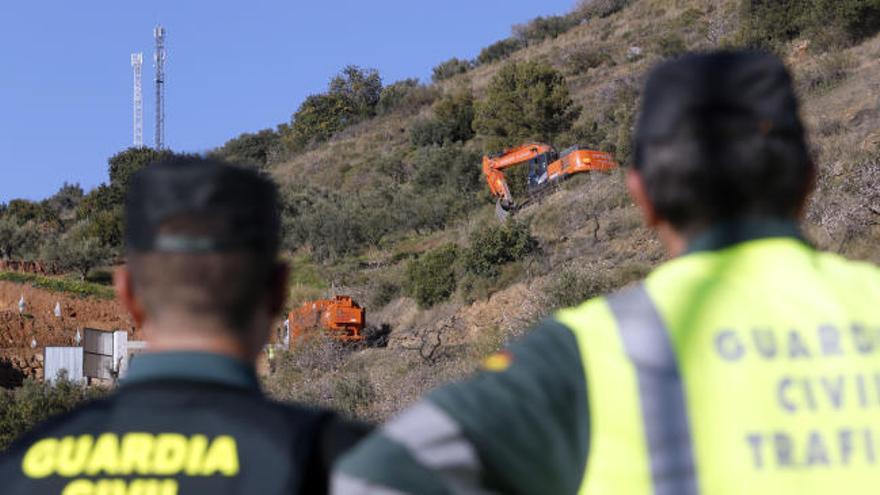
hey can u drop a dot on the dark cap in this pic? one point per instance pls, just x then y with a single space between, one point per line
240 206
717 96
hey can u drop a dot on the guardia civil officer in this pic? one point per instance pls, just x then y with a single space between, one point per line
747 364
203 282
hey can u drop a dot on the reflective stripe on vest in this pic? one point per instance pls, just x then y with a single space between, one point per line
661 394
752 369
641 438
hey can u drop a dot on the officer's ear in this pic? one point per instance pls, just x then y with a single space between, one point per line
125 294
636 186
278 287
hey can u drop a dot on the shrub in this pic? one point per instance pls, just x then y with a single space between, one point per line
431 277
599 8
406 95
831 69
453 116
609 125
494 246
125 163
256 150
453 168
428 132
828 23
77 250
352 95
24 407
318 118
583 60
573 286
383 293
541 28
524 101
670 45
498 50
25 211
450 68
66 200
18 240
455 110
353 393
322 220
361 88
75 287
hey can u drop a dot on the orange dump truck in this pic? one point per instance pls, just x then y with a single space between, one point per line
340 318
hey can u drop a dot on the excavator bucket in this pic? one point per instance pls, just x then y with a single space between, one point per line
500 211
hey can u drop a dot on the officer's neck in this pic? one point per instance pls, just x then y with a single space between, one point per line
186 334
674 241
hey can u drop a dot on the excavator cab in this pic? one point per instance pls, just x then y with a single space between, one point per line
538 170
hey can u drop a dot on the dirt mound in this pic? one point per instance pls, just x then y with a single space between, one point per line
38 323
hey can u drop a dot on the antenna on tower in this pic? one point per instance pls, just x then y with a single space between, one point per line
159 60
137 60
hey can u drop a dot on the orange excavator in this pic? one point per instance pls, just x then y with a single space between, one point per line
546 167
340 318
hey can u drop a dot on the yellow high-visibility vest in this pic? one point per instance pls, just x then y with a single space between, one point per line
752 369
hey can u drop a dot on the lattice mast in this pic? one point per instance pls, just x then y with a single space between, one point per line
159 61
137 60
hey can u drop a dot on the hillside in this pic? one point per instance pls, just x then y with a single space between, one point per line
590 235
388 204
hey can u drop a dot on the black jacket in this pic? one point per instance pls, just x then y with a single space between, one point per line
176 436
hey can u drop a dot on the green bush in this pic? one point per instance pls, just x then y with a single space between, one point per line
769 24
428 132
450 68
524 101
24 407
573 286
498 50
453 116
453 168
25 211
383 293
75 287
18 240
431 277
831 70
455 110
77 250
405 96
361 89
493 246
609 124
318 118
351 96
353 393
541 28
438 187
587 9
670 45
256 150
583 60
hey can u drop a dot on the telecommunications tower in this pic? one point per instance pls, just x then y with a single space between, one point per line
159 61
137 60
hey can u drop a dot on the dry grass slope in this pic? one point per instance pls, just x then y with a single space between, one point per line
591 237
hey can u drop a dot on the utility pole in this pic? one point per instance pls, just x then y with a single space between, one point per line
159 61
137 60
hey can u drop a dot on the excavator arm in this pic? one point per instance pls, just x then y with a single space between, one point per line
494 165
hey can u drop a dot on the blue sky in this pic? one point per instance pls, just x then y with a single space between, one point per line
233 67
